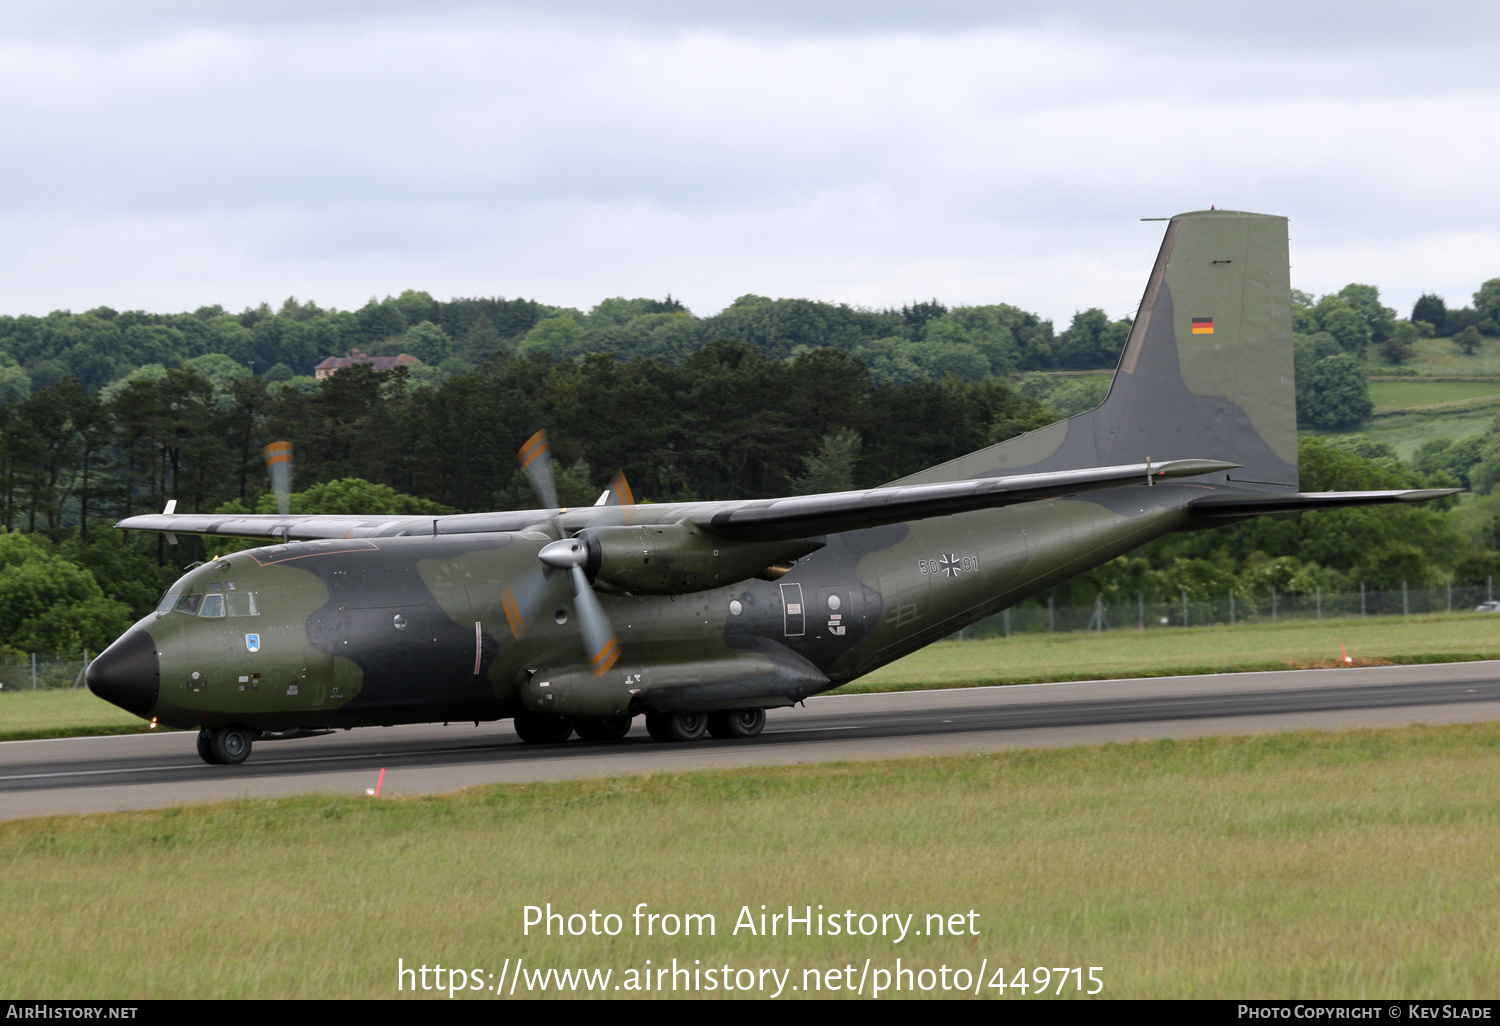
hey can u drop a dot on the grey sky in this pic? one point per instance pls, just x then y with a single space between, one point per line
167 155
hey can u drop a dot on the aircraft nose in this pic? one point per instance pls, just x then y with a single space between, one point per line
128 673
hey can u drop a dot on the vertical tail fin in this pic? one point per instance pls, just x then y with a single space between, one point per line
1206 372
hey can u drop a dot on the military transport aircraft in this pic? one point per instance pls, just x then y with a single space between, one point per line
702 615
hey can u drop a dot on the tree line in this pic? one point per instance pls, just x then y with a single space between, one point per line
106 414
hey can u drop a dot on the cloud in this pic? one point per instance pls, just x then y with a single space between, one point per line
187 154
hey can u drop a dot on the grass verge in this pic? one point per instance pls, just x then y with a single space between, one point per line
1175 651
1305 865
27 715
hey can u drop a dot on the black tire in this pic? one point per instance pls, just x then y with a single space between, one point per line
542 730
206 747
737 723
231 745
602 728
689 726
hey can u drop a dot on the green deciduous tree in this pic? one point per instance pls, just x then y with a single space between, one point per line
1337 394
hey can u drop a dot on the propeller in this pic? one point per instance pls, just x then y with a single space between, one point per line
279 466
568 554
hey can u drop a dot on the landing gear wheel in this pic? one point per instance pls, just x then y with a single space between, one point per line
688 726
206 747
231 745
542 730
603 728
737 723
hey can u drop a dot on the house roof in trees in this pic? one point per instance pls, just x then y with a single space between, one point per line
333 364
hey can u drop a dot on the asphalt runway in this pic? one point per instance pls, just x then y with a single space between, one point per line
137 771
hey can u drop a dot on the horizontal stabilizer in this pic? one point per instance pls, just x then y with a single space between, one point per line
1292 502
805 515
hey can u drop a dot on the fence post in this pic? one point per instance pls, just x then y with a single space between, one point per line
1319 592
1273 603
1361 598
1140 610
1184 607
1491 594
1450 594
1405 606
1007 622
1231 607
1098 612
1051 621
33 671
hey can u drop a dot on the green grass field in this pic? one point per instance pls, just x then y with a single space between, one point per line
1405 432
68 713
1440 357
1299 865
1400 395
1176 650
1020 659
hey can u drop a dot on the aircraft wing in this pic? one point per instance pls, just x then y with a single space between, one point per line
273 526
794 517
805 515
1292 502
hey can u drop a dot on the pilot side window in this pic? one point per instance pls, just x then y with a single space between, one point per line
213 605
189 604
241 603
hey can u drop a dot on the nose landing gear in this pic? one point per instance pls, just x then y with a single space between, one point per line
224 746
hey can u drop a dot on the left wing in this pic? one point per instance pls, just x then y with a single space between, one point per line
274 526
802 516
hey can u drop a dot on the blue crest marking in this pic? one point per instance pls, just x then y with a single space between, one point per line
252 642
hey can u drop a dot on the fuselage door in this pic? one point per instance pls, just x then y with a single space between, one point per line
393 646
793 612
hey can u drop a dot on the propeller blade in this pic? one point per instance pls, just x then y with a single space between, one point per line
279 466
536 460
524 602
621 501
600 643
599 639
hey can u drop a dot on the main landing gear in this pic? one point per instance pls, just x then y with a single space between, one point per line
690 726
224 746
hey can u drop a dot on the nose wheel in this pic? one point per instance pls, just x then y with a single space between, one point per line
224 746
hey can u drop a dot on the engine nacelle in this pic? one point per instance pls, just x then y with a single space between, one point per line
759 678
671 559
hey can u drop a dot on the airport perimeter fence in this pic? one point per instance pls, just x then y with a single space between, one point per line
1233 608
40 674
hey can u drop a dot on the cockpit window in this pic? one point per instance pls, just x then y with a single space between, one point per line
189 604
213 604
242 603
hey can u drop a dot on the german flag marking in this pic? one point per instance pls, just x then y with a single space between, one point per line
606 657
1203 325
534 447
